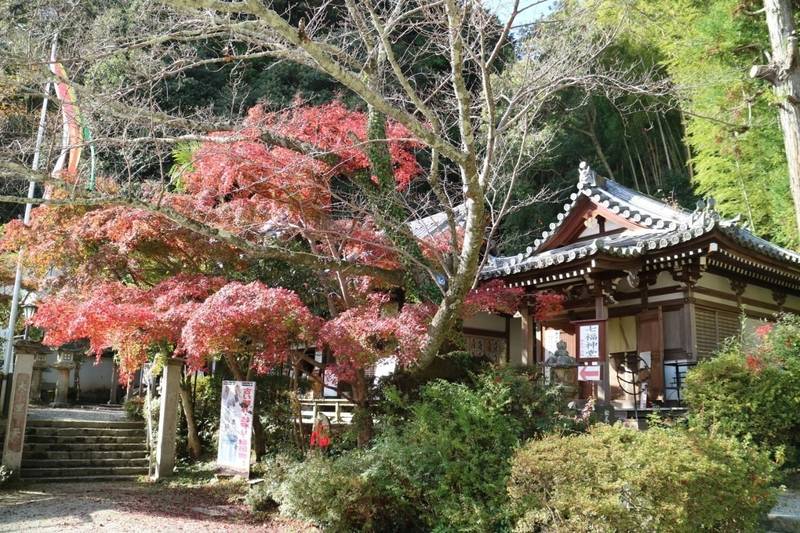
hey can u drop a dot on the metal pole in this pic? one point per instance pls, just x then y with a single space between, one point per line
8 356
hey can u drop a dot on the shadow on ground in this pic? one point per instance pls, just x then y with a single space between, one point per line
134 507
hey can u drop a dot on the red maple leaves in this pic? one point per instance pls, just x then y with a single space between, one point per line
266 323
127 319
129 279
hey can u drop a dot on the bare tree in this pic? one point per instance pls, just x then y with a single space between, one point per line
480 123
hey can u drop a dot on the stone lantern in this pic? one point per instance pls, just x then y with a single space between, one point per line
65 362
563 368
39 364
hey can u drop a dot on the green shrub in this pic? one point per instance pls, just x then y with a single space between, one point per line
134 408
342 494
752 394
540 409
622 480
453 454
439 463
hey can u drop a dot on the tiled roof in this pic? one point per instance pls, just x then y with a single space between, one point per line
663 226
435 224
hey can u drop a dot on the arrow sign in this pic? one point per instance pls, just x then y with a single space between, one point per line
589 373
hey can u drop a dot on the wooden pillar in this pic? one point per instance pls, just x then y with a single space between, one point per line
507 359
603 386
528 332
688 274
690 322
168 418
18 411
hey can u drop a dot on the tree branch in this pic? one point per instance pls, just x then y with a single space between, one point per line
317 52
266 251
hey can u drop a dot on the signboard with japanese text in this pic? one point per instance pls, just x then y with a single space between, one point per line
589 336
488 347
235 426
591 339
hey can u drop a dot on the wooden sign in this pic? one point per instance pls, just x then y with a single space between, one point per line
589 373
591 339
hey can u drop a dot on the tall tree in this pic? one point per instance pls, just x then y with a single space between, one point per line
783 72
359 52
736 145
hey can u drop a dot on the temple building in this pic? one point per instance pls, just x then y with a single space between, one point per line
647 290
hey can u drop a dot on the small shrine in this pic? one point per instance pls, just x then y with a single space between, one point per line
648 289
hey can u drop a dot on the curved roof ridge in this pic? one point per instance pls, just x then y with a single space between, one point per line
632 205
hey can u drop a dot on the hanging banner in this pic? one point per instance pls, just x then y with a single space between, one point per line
236 426
76 129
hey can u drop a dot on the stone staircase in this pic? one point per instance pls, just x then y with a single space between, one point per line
83 450
785 517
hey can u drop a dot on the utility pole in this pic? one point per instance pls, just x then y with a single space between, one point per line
8 355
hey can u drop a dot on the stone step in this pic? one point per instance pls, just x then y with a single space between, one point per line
33 447
74 463
88 454
77 439
785 516
85 472
79 479
70 432
122 424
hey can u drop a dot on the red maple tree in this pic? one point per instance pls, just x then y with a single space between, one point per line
127 278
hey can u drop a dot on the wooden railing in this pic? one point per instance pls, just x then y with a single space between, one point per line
337 410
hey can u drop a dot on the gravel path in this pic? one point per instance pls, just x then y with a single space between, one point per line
130 507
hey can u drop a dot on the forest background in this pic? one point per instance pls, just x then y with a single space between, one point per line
716 134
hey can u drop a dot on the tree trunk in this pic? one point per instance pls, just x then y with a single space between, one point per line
591 119
363 415
259 438
644 173
195 448
630 162
784 74
687 147
664 142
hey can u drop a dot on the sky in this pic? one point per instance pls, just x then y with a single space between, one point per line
503 9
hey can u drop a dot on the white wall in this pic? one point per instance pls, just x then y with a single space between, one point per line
94 375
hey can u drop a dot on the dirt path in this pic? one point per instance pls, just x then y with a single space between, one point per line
130 507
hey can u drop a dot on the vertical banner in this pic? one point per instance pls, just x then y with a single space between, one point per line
235 426
589 335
